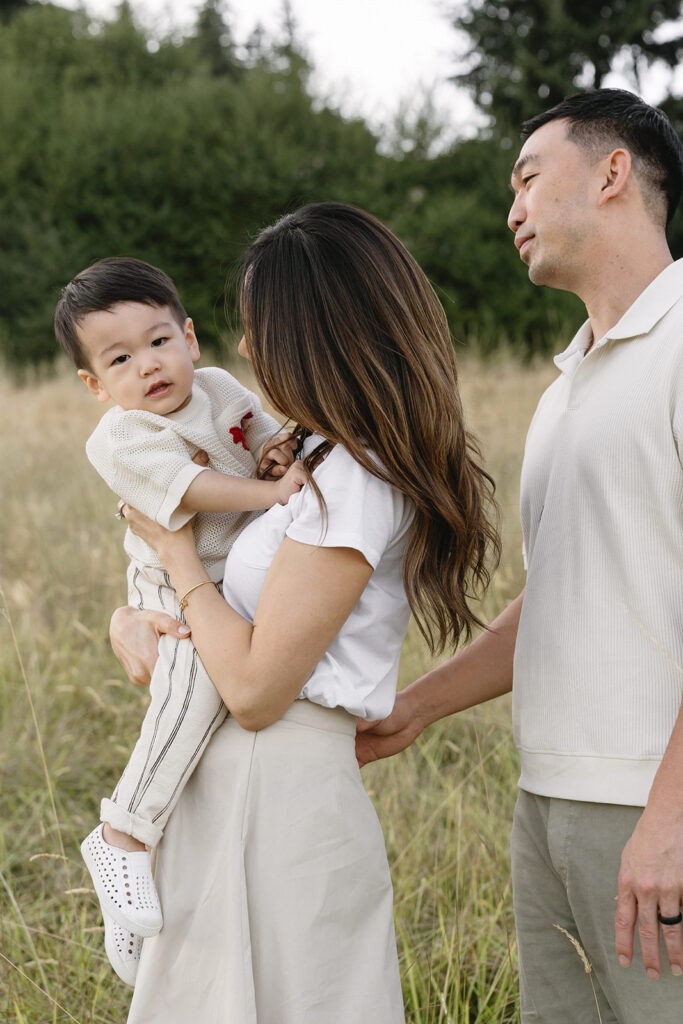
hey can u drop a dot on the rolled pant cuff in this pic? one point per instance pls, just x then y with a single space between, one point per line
132 824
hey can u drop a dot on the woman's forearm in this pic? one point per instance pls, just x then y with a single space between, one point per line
260 668
222 637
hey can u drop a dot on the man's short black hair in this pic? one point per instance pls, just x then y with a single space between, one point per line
609 118
101 286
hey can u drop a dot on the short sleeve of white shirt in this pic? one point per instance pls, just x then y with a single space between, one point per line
362 511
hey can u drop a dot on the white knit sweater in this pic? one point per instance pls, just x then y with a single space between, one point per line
147 460
598 676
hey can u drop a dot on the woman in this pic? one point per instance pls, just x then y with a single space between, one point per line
272 873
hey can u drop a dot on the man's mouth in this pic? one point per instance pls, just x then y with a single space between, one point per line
522 243
159 388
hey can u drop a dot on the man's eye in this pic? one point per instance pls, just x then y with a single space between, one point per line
119 360
158 341
527 179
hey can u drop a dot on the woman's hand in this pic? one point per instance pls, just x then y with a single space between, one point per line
158 537
134 636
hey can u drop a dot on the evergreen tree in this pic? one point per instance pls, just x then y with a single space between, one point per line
526 55
214 40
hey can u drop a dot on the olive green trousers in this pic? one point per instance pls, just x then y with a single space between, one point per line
565 861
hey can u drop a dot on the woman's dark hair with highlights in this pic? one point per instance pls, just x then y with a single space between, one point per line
349 340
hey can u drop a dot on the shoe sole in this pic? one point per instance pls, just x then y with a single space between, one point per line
121 968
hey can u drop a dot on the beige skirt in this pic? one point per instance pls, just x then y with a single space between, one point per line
274 885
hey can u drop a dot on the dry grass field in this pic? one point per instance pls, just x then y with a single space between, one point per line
68 718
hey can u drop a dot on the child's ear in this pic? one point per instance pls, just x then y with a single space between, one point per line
191 340
94 386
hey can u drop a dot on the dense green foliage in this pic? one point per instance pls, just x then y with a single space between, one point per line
177 150
109 148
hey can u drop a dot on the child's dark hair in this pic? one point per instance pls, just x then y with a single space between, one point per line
101 286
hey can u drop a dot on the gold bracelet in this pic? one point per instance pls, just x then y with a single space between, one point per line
183 599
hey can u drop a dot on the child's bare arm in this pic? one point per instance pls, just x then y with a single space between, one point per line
211 491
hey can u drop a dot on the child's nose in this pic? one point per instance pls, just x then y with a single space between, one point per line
150 363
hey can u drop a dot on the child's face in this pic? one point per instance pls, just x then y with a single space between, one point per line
140 356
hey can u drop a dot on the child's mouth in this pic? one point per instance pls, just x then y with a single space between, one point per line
158 389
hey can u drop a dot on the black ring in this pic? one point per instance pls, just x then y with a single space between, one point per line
670 920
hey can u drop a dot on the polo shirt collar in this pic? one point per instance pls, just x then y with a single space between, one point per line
572 357
647 310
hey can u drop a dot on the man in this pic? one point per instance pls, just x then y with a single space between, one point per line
597 637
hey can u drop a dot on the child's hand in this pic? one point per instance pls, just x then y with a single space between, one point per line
292 482
277 455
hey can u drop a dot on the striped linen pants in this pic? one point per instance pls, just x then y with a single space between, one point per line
184 712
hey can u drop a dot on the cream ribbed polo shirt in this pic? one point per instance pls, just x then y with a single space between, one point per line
598 676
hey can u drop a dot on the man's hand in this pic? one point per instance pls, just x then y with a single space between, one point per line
392 734
651 880
134 636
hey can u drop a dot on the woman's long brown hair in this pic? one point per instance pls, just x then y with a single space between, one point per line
348 339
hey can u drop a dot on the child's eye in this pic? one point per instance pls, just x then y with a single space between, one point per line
158 341
119 360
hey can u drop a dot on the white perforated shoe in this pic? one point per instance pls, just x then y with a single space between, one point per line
123 950
124 884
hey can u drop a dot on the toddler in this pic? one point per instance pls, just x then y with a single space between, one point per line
122 323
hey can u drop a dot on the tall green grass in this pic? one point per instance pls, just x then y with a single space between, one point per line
68 719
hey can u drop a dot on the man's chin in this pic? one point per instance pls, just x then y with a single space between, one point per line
540 273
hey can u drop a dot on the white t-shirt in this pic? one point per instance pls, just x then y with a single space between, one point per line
359 670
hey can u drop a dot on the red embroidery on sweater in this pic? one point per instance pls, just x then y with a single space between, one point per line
238 434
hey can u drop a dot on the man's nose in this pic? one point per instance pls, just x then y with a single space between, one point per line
517 214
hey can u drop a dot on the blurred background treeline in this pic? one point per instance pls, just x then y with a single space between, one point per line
177 149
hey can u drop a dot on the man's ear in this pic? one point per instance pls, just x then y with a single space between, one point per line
94 386
191 340
616 172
